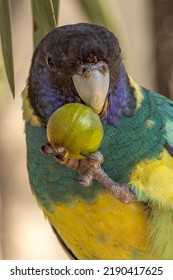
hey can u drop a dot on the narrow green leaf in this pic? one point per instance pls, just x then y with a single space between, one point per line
6 42
94 11
100 13
47 15
38 29
44 17
55 4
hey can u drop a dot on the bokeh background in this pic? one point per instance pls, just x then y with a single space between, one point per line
145 30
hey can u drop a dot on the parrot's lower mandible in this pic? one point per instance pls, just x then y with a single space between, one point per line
115 202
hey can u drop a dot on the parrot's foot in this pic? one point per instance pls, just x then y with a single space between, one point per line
46 149
89 168
86 167
60 151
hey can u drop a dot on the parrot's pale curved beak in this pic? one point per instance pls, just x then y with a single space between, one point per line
92 84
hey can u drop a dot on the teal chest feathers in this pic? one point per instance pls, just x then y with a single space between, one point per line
135 139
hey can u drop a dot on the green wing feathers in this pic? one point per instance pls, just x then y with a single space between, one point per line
165 106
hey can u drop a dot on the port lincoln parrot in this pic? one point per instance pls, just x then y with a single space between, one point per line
83 63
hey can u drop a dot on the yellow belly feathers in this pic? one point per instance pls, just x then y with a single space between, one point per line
108 229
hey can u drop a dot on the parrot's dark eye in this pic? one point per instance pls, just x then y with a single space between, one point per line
50 62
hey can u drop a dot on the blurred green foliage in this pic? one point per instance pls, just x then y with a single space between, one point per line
6 42
45 17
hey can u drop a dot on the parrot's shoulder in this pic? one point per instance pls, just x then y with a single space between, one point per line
28 112
164 104
165 109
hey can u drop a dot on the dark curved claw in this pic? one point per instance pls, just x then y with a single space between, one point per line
96 156
46 149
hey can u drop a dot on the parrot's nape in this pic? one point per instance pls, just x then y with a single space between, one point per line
82 63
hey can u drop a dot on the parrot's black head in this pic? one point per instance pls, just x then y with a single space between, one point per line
74 63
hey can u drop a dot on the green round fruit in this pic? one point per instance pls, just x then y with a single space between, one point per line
75 127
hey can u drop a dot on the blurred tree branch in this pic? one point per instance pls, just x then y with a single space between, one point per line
163 25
